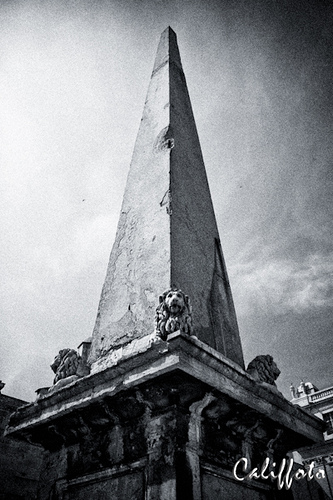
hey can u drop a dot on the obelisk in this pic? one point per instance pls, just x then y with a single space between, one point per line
167 233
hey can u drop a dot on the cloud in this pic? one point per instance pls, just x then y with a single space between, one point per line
280 285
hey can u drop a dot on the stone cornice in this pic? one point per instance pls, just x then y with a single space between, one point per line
183 355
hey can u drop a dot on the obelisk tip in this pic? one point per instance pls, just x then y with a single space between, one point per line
167 48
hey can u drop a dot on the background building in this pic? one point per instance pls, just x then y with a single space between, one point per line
20 461
319 403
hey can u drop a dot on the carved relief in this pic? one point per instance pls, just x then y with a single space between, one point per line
264 369
89 455
65 364
107 446
173 313
273 444
160 435
68 366
233 431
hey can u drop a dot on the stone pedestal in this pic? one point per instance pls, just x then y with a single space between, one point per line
162 421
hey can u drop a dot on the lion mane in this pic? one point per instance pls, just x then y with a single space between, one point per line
65 364
173 313
264 369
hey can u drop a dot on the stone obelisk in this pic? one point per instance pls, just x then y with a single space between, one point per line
167 233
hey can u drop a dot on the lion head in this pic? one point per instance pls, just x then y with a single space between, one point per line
264 369
173 313
65 364
175 301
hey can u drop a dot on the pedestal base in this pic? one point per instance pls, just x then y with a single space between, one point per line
162 421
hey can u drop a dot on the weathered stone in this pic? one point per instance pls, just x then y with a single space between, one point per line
173 313
264 369
167 234
68 366
181 418
20 461
165 419
183 355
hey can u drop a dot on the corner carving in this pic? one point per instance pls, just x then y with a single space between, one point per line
173 313
264 369
68 366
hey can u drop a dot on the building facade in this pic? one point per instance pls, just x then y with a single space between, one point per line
319 403
20 461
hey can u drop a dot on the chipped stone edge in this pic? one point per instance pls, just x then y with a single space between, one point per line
136 346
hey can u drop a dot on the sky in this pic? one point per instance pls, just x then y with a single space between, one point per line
73 80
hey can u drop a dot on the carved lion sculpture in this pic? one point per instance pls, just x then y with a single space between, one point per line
65 364
263 368
173 313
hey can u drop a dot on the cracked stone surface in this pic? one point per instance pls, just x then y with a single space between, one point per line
167 233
